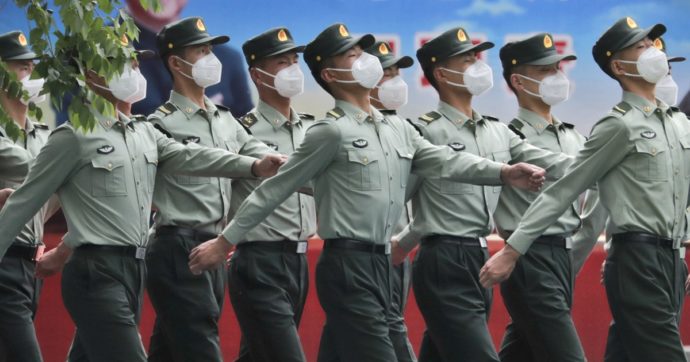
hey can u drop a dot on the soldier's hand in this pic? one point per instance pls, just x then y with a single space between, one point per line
498 267
52 261
4 195
268 165
524 176
209 255
398 253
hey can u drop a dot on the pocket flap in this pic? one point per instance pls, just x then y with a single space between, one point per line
108 164
361 157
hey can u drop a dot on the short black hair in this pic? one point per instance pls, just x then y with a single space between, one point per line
178 52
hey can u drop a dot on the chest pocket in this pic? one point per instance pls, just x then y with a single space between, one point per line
108 177
503 157
685 144
151 166
650 161
364 170
405 159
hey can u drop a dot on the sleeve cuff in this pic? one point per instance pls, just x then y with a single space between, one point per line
408 239
519 242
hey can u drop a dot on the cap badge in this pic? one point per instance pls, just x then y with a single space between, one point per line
22 39
343 31
461 35
383 49
631 23
548 43
200 25
282 35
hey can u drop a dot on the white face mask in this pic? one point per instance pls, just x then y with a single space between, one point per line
553 89
366 71
667 90
206 71
127 86
288 82
652 65
477 78
34 88
393 93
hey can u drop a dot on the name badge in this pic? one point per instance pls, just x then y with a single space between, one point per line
301 247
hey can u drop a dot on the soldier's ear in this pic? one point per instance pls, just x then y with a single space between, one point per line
516 81
617 68
327 75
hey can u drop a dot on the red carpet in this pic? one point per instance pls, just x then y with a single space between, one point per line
591 315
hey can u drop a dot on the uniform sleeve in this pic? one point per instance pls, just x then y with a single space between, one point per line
593 217
192 159
555 164
53 165
251 146
317 151
14 161
607 146
441 162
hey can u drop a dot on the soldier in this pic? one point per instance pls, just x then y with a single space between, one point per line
268 274
104 180
359 162
389 95
453 219
19 288
190 209
638 155
539 296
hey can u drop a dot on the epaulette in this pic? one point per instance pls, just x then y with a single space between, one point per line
41 126
622 108
222 107
419 130
335 113
388 112
163 130
138 117
430 117
516 126
489 118
167 108
568 125
306 116
674 109
248 120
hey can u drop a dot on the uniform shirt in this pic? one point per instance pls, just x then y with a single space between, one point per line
445 207
14 161
359 163
640 156
195 201
35 136
104 179
295 218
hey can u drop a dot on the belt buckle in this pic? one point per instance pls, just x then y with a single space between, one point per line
301 247
140 253
388 249
38 252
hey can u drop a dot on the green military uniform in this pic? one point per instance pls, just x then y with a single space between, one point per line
359 163
401 277
268 274
639 155
19 288
190 209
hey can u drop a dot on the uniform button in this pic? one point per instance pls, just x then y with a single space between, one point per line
303 206
647 108
134 158
391 202
216 144
137 183
110 166
365 160
390 177
386 153
653 151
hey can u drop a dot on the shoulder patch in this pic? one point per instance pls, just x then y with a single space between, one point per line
162 130
223 108
167 108
335 113
419 130
388 112
515 126
138 117
248 120
489 118
622 108
430 117
306 116
568 125
674 109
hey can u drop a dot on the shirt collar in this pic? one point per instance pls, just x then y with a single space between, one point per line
275 118
454 115
642 104
359 115
190 108
538 122
29 128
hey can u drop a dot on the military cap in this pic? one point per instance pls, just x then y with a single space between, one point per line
660 44
383 51
14 46
536 50
452 42
624 33
185 32
267 44
334 40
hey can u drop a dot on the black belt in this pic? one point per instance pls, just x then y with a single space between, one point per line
197 235
358 245
288 246
129 251
26 252
449 239
635 237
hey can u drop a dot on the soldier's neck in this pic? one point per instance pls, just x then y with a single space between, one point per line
376 103
278 102
531 104
190 90
15 109
460 101
125 108
640 88
359 99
